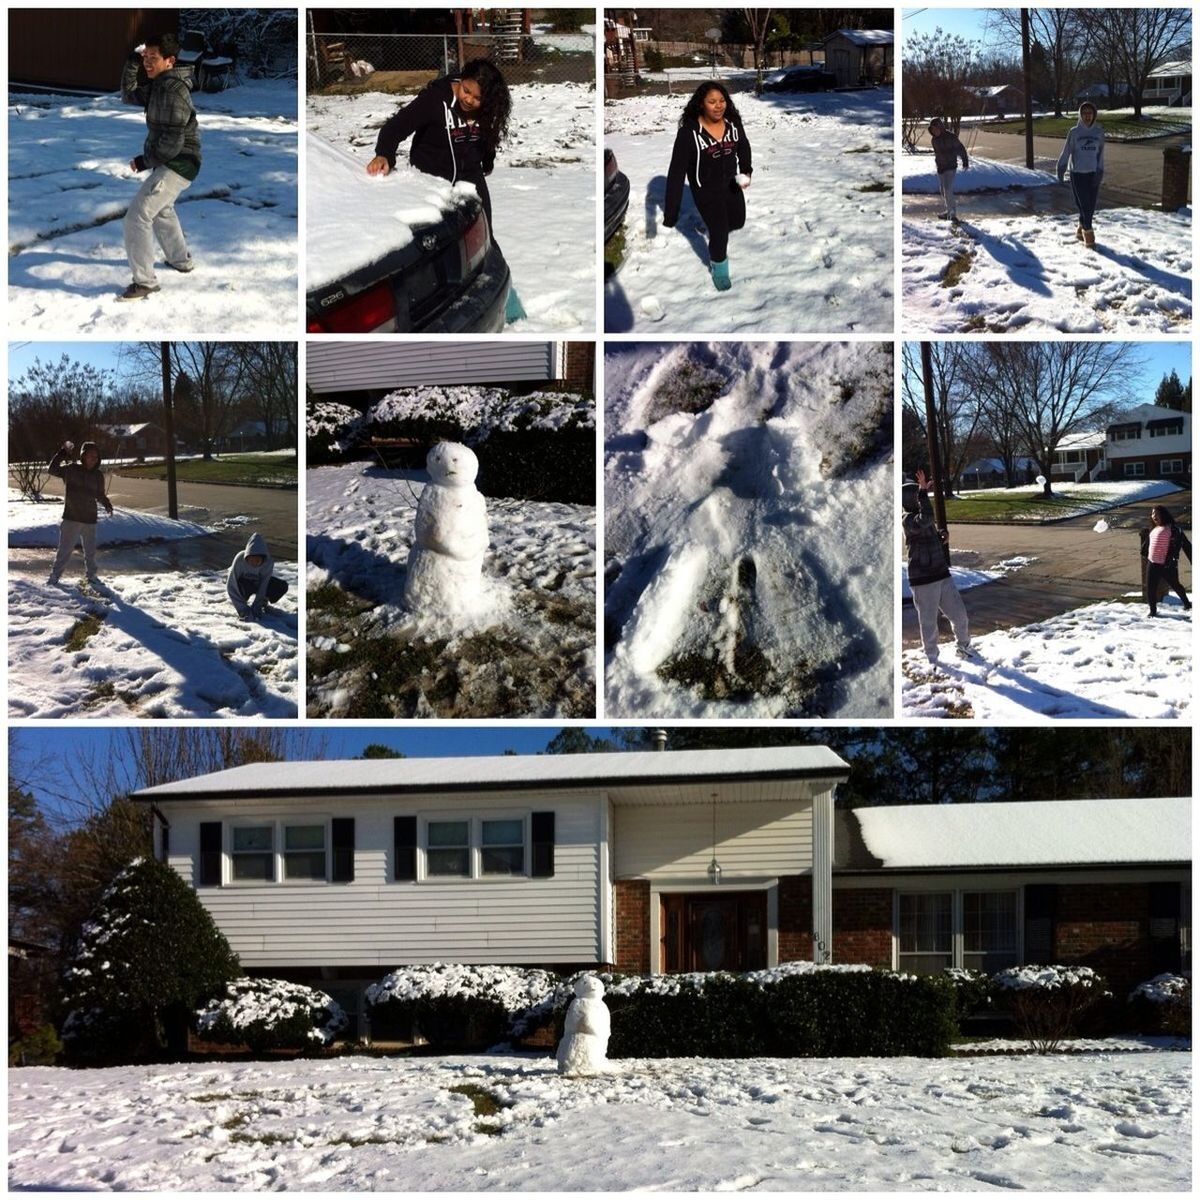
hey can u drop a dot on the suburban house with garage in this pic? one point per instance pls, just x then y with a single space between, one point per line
332 873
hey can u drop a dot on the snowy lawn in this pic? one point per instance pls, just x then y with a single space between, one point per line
1028 504
543 193
1069 1123
749 501
160 646
533 656
69 185
919 176
969 577
816 254
36 524
1029 273
1108 660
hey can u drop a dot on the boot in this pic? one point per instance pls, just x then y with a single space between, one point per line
720 275
1079 233
1089 238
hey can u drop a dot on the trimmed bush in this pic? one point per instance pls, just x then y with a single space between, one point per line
1163 1005
148 955
972 992
333 430
1048 1004
270 1014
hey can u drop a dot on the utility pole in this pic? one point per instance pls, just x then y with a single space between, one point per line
931 440
169 429
1026 83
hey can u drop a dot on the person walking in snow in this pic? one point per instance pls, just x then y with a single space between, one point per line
83 482
457 123
171 154
929 572
713 153
1162 544
1083 153
251 584
947 151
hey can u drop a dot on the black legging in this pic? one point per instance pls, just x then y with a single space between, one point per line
1156 572
248 586
723 210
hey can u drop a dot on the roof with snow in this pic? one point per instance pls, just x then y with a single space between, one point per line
1179 67
864 37
1151 412
993 90
1082 441
997 464
1014 833
640 768
125 430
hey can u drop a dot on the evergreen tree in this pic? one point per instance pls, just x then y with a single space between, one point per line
379 750
1170 393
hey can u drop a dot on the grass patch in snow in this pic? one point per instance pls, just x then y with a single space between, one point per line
876 185
858 150
1116 128
614 251
958 266
234 470
83 631
333 601
690 388
1022 506
486 1105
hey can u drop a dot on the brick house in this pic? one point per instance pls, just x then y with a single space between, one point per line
1151 442
335 872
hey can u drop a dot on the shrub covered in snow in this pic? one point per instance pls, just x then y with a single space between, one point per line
972 991
270 1014
1049 1003
263 40
1163 1005
147 956
332 430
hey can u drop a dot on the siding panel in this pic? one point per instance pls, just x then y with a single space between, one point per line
387 365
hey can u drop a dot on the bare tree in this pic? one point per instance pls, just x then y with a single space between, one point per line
937 69
50 403
1063 38
1140 39
956 415
759 20
270 387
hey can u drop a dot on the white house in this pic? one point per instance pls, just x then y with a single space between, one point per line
1151 442
1079 457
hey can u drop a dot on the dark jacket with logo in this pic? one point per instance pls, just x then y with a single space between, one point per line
84 487
444 141
927 558
173 136
708 164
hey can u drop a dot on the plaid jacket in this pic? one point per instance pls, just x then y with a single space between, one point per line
173 137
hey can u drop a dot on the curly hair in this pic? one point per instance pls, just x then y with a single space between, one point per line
1162 515
495 102
695 105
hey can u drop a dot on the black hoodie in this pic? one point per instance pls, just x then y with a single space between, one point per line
708 163
444 141
84 486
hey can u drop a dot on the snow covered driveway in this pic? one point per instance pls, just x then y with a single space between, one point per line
1029 273
816 254
1106 661
543 192
1118 1122
69 185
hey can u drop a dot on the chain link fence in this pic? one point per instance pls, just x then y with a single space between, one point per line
401 62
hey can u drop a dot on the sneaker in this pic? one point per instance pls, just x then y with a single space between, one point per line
139 291
95 581
970 653
53 581
184 267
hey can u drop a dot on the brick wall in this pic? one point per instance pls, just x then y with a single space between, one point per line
795 918
632 925
862 926
1105 926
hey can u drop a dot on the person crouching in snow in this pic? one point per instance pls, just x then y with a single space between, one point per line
947 150
457 124
713 153
172 156
1083 152
251 585
83 482
929 573
1164 541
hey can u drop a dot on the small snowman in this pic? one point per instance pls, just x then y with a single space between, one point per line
445 564
584 1045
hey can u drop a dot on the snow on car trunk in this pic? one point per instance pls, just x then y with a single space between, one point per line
749 530
816 254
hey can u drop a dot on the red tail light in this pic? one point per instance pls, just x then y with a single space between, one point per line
360 314
476 243
610 167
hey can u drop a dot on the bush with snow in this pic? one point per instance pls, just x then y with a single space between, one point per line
263 40
270 1014
147 956
332 430
1163 1005
1049 1003
972 991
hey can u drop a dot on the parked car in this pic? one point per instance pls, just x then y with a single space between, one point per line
800 79
376 267
616 195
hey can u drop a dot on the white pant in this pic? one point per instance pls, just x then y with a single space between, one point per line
928 598
946 185
69 534
150 216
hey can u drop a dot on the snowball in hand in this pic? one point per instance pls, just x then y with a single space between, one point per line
584 1046
1101 526
450 538
743 181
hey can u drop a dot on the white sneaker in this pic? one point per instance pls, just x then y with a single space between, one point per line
970 653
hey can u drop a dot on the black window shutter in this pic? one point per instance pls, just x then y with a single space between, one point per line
210 853
1041 904
406 848
343 850
541 830
1165 907
166 843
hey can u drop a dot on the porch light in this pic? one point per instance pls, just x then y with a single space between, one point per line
714 867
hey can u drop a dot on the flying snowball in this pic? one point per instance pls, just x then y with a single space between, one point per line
1101 526
584 1046
1040 481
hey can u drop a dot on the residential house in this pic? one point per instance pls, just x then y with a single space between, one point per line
1170 83
131 441
335 872
860 57
998 100
1151 442
1079 457
989 472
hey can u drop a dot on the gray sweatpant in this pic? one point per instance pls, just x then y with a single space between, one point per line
69 533
150 216
927 599
946 186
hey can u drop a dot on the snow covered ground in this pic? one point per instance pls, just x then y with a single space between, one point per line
816 255
969 577
748 518
1072 499
543 193
1108 660
1029 273
160 646
1062 1123
69 185
984 174
32 524
534 655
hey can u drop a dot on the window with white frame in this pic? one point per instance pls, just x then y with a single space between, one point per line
1170 466
989 929
1135 468
1128 434
252 853
926 931
936 930
304 851
476 847
502 847
448 849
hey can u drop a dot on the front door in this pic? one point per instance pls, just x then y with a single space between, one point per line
710 931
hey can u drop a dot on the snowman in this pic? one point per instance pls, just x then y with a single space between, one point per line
584 1045
445 564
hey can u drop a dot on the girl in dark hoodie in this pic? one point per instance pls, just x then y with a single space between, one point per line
457 124
713 153
84 485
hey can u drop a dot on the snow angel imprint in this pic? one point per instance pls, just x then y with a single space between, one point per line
1083 152
457 123
713 153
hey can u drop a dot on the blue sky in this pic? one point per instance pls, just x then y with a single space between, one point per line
968 22
98 354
